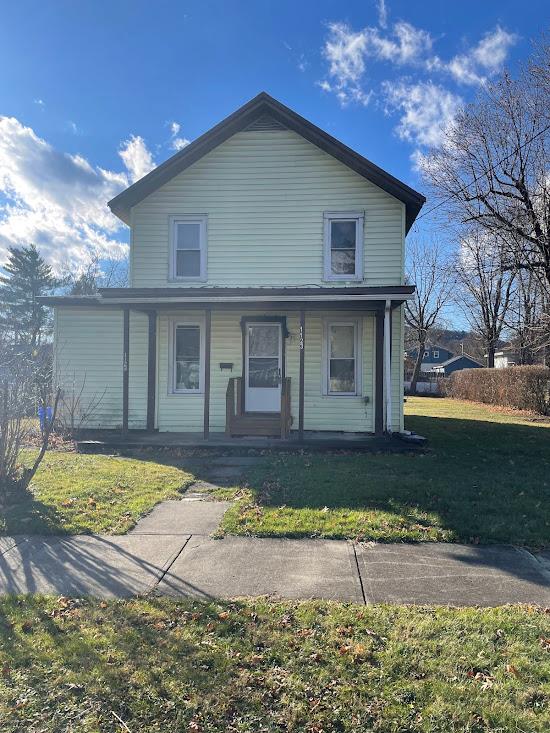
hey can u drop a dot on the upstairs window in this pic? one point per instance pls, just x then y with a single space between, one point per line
188 248
435 354
343 245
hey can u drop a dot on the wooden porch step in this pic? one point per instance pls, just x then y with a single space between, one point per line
267 424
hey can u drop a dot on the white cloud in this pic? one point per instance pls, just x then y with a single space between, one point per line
480 61
59 201
40 102
382 14
492 50
426 110
177 142
347 51
136 157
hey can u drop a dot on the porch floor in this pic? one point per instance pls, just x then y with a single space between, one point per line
103 440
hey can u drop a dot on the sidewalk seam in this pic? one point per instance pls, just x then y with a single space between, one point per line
359 574
165 570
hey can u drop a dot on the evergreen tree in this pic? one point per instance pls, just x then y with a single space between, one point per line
23 320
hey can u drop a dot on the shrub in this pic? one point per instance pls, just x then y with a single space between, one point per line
519 387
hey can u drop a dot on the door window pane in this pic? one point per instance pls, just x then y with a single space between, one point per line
263 340
187 350
263 372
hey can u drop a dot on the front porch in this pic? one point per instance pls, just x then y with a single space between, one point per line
101 441
260 366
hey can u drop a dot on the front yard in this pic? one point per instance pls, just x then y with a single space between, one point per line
75 493
159 665
486 478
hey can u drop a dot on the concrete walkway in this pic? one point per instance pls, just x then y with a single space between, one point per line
170 552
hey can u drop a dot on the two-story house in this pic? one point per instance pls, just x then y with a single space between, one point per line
265 296
433 356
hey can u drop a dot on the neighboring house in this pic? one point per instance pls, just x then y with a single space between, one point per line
506 358
462 361
266 289
433 355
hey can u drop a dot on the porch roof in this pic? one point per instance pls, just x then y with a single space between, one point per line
167 297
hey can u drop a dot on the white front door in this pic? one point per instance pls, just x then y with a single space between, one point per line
263 364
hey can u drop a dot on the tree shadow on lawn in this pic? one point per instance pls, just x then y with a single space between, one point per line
34 517
480 481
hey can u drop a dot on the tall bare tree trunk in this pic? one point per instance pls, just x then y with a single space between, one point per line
417 365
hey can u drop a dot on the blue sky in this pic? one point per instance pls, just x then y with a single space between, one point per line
93 93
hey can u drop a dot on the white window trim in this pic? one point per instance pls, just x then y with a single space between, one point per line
172 325
202 220
359 217
357 323
435 354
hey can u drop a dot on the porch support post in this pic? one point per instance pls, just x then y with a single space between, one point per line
302 374
151 370
379 375
207 342
387 364
125 366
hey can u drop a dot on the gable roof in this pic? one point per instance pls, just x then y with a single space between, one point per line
457 358
265 112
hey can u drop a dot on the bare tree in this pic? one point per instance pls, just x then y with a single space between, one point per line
528 317
96 272
493 167
77 407
17 392
486 288
428 269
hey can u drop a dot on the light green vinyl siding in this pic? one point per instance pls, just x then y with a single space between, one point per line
88 365
264 194
185 411
88 356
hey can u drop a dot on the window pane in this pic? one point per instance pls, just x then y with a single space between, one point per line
187 374
187 357
188 263
188 235
263 372
342 261
342 375
263 340
342 341
342 234
188 342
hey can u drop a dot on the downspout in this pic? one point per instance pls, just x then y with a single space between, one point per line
387 364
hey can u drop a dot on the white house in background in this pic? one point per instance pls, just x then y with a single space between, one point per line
266 290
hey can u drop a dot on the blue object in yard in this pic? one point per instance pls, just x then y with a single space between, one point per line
44 415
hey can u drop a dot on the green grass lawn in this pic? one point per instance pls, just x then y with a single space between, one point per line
486 478
74 493
313 667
